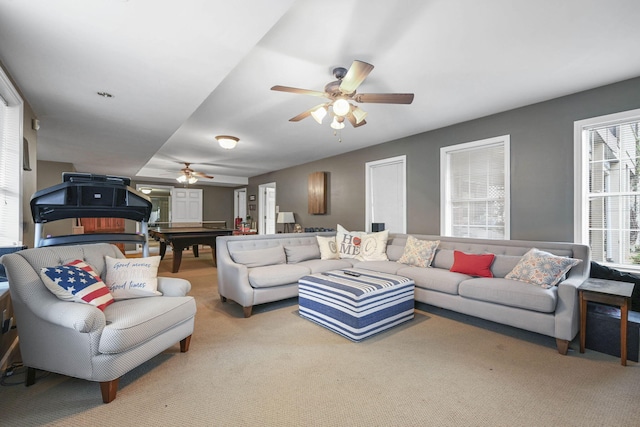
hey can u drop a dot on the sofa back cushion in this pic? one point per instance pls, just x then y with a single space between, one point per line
299 253
259 257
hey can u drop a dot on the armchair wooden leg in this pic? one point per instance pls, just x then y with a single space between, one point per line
184 344
109 390
563 346
31 377
247 311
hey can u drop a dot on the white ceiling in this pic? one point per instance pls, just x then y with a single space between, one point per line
183 72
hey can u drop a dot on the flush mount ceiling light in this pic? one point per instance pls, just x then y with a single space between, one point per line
146 190
227 142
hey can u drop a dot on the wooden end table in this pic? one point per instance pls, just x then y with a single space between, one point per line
606 292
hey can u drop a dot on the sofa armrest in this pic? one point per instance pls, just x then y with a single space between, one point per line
83 318
173 286
568 308
233 279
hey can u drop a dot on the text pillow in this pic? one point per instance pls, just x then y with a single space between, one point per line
541 268
132 277
328 248
418 252
373 246
472 264
348 242
77 282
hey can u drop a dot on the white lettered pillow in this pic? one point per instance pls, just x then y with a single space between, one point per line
348 242
132 277
373 246
328 248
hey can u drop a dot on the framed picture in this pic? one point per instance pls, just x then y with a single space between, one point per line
252 198
252 207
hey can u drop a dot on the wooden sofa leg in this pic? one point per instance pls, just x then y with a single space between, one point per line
223 299
31 377
184 344
109 390
563 346
247 311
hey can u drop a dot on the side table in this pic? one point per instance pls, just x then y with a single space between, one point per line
606 292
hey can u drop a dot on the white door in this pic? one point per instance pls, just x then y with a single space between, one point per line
267 208
240 203
186 206
386 195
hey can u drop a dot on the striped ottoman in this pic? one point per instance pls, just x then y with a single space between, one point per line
356 307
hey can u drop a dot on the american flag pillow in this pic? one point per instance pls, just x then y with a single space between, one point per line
76 281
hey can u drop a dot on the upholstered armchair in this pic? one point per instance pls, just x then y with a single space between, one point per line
82 340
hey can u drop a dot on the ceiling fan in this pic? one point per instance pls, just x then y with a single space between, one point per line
341 92
190 176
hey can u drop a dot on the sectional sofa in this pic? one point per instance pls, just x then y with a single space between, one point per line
264 268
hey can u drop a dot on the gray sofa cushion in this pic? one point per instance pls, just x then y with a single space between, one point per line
511 293
436 279
260 257
298 253
391 267
322 265
131 322
443 259
503 264
276 275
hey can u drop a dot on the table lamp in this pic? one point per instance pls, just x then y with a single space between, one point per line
285 218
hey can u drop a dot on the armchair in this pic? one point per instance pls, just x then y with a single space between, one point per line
80 340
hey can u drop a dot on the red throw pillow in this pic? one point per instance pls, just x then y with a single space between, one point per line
472 264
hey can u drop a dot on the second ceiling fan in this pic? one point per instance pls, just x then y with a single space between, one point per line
341 92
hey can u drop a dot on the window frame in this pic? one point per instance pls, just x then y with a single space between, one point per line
445 184
581 129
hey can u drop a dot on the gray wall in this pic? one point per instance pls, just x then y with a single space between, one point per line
541 167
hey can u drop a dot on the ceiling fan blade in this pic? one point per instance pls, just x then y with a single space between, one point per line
384 98
355 76
202 175
298 91
306 114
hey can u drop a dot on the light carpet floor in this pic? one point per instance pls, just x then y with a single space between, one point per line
277 369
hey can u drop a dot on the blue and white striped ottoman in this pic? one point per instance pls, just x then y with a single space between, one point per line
356 307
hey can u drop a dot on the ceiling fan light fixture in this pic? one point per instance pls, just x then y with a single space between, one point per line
227 142
341 107
359 114
337 124
182 178
318 114
192 180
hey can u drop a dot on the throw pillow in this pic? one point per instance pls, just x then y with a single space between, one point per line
77 282
132 277
328 247
348 242
541 268
472 264
373 246
299 253
419 252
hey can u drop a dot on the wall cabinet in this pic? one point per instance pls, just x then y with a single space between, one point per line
317 189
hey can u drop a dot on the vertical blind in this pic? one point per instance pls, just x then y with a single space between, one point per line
10 181
476 188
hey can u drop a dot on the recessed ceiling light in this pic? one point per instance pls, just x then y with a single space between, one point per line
105 94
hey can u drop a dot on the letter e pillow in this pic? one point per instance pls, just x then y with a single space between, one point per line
132 277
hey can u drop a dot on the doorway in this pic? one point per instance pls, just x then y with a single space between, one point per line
240 204
386 194
267 208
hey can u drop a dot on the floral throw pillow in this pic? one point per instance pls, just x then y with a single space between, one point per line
541 268
418 252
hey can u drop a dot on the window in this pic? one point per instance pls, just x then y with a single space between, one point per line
10 164
475 189
607 200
